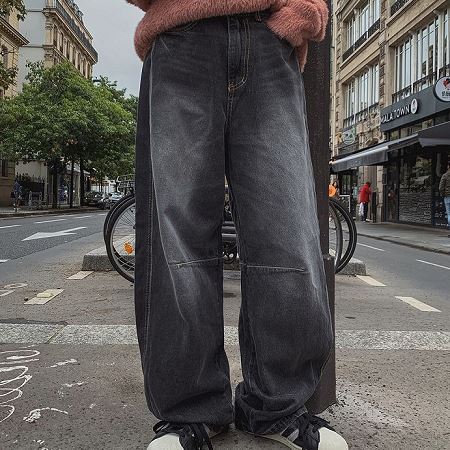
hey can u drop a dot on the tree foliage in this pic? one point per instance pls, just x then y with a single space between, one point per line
61 116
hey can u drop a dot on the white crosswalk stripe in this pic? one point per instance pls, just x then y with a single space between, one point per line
369 280
417 304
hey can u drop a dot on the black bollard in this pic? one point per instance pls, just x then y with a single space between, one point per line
317 85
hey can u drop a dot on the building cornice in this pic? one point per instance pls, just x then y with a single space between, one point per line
7 29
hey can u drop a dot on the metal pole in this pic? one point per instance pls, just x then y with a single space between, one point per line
317 85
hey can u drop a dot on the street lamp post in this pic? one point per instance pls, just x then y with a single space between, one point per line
317 86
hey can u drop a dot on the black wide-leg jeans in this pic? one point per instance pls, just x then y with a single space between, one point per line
225 96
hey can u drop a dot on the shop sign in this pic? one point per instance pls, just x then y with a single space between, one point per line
405 110
349 136
442 89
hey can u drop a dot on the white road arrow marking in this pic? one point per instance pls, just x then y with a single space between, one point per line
43 235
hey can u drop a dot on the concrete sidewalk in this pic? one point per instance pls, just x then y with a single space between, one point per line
424 238
25 212
84 386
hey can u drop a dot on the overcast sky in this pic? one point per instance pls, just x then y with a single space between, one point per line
112 24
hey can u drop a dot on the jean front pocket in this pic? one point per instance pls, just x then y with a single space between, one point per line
187 26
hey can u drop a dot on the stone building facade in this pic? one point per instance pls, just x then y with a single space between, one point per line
11 42
389 56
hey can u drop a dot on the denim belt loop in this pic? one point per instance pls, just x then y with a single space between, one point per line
258 16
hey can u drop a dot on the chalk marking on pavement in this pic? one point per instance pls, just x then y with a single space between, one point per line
433 264
50 221
19 379
44 297
10 226
371 281
35 414
373 248
5 292
46 235
81 275
83 217
126 335
63 363
417 304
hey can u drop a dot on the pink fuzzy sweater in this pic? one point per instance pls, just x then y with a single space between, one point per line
295 20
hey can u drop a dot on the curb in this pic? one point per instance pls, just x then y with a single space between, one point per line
407 244
97 260
47 212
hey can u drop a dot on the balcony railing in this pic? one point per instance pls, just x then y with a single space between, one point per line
56 4
361 116
363 38
399 4
421 84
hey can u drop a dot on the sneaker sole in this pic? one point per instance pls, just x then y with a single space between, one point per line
276 437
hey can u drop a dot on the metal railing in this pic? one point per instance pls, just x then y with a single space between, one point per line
421 84
398 5
363 38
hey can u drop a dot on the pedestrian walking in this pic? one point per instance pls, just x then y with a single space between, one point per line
222 93
444 189
364 198
17 194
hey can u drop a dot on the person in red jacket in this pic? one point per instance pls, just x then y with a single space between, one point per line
364 197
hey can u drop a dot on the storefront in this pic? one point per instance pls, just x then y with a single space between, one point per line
414 157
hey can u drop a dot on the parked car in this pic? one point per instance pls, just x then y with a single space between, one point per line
112 198
95 198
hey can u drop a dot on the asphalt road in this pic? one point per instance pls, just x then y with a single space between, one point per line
408 272
22 236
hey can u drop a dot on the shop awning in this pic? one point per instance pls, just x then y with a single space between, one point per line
373 155
434 136
430 137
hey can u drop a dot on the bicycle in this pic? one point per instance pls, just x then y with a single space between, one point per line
120 239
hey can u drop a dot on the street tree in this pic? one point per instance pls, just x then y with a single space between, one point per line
62 117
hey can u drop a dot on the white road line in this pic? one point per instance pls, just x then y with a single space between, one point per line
373 248
3 260
417 304
5 292
432 264
82 217
80 275
49 221
102 214
44 297
370 280
10 226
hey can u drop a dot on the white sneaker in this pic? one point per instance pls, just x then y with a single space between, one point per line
309 433
183 436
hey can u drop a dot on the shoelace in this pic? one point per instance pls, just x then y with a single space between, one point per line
308 420
195 430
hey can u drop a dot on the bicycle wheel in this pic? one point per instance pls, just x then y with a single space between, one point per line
350 234
121 238
335 238
111 212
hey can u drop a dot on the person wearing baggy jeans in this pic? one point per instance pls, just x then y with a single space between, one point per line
225 95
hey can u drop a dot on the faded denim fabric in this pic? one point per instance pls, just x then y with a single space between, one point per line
225 95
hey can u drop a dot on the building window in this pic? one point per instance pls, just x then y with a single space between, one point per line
4 53
422 58
4 167
359 25
361 94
